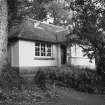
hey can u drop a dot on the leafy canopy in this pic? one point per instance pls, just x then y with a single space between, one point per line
18 9
89 25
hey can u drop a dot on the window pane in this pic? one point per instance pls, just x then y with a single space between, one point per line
48 50
37 54
48 45
48 54
37 44
42 49
37 49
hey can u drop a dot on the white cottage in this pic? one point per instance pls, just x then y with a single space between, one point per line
37 44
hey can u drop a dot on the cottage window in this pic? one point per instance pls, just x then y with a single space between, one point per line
43 49
48 50
37 49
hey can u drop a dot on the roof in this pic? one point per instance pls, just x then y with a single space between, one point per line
34 30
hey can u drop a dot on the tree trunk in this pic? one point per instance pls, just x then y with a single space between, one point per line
3 32
100 64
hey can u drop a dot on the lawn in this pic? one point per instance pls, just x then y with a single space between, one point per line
32 95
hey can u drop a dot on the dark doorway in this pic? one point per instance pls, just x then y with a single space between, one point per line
63 54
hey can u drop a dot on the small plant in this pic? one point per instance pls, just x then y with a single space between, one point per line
52 75
40 79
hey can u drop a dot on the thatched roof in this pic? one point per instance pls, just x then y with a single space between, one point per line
35 30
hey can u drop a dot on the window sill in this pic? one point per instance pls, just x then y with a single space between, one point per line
39 58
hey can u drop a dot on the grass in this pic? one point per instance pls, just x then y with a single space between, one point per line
29 95
32 95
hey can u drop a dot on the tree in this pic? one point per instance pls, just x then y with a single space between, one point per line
60 13
89 29
13 14
3 32
19 9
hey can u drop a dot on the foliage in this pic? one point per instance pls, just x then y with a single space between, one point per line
31 95
39 10
13 14
40 79
59 13
10 78
88 29
18 9
27 96
84 80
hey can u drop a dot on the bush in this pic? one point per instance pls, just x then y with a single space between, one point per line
40 79
10 78
84 80
52 76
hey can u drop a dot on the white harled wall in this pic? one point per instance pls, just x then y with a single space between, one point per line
14 49
75 57
27 55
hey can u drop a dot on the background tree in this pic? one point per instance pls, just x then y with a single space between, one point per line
19 9
60 12
89 29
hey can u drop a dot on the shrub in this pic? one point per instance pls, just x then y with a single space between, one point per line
52 76
10 77
84 80
40 79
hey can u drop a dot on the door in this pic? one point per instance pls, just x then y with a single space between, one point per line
63 54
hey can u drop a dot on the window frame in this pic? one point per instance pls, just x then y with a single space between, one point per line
46 50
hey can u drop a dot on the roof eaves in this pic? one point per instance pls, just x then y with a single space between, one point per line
27 39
